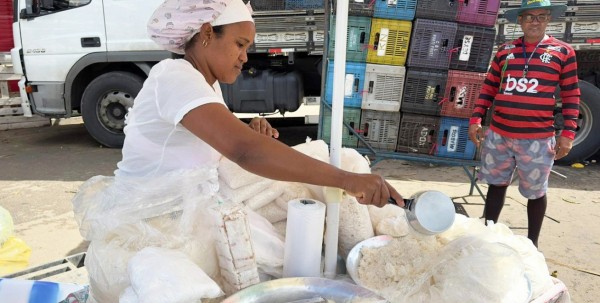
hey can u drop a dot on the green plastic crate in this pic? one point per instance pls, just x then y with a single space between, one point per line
359 32
352 117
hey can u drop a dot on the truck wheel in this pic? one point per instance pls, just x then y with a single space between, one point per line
587 140
104 104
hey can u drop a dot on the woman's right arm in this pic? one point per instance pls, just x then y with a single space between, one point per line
267 157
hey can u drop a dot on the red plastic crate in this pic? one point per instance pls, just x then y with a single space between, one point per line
13 86
462 91
6 21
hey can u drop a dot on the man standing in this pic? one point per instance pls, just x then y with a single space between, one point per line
521 84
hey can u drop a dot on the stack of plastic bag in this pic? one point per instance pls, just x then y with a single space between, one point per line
121 216
14 253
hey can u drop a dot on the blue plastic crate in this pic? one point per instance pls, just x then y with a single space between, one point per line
395 9
453 139
304 4
355 81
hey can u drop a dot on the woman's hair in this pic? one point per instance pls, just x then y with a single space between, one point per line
218 30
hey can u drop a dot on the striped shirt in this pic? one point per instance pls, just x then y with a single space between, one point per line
524 106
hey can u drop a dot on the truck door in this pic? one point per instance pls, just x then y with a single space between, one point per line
64 32
132 15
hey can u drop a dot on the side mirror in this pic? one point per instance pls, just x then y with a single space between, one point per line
31 10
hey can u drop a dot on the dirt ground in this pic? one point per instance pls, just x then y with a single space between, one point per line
42 168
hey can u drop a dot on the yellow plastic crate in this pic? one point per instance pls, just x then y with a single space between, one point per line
389 41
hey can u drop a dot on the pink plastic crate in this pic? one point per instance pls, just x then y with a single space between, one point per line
478 12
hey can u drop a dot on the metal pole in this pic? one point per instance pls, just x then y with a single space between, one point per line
334 196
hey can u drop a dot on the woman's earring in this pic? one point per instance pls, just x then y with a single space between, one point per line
204 43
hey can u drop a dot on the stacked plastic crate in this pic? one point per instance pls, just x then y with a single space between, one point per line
451 47
377 48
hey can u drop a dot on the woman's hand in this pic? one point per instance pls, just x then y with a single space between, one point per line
371 189
262 126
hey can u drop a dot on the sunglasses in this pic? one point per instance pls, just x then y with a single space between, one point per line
539 18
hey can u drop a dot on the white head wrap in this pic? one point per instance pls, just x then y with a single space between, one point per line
175 22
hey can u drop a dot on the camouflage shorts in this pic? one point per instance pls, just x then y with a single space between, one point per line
533 159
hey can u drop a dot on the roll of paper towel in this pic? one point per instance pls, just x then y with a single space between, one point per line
304 238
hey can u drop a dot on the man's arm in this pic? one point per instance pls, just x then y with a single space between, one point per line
569 92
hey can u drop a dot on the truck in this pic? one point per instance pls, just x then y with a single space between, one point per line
91 57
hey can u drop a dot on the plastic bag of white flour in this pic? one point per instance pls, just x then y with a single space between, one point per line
123 215
235 176
243 193
234 246
268 245
272 212
355 224
161 275
266 196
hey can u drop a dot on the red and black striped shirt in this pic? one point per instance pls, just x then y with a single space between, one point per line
524 106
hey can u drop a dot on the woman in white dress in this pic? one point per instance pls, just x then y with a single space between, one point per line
180 119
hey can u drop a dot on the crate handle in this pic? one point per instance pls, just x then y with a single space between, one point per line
362 37
450 3
452 93
445 138
376 43
445 43
371 84
356 82
349 131
437 91
366 131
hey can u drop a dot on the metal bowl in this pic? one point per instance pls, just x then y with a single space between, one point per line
304 290
353 260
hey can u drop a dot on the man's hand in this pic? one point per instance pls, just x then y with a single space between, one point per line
262 126
563 147
474 131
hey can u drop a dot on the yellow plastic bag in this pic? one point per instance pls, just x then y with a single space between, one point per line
14 256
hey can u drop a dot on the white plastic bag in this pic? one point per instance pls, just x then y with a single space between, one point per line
281 227
355 224
266 196
243 193
354 162
235 176
6 225
293 191
161 275
389 211
123 215
269 245
272 212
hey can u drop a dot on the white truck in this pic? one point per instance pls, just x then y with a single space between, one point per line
90 58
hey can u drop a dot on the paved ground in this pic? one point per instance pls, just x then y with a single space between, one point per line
41 169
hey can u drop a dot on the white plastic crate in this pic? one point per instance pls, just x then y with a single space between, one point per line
380 129
384 85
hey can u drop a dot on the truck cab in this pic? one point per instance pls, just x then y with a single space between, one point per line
91 57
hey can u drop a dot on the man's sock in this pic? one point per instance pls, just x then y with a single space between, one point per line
494 202
536 209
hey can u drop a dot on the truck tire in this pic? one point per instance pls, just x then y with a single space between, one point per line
587 140
104 104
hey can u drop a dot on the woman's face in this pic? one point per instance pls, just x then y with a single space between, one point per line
227 52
